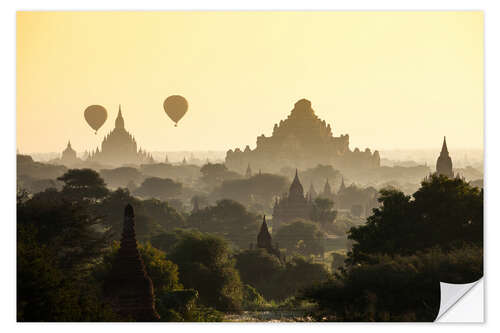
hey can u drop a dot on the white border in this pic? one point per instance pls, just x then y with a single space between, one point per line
492 169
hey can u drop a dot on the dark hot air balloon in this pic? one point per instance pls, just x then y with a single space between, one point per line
95 115
175 106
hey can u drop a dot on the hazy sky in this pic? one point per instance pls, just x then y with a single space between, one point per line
391 80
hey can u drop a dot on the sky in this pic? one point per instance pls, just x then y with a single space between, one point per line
391 80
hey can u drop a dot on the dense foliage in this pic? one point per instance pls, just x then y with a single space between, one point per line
172 301
395 288
301 237
228 219
255 191
152 216
444 212
275 279
57 244
201 265
160 188
205 264
402 253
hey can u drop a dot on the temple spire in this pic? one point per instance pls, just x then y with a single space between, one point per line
264 240
119 122
444 164
129 287
444 148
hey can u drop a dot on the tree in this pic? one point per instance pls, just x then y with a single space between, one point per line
215 174
83 184
172 301
67 227
152 216
301 273
354 195
435 237
379 290
450 211
338 260
228 219
259 269
160 188
318 175
260 188
178 205
301 237
322 212
205 265
166 241
57 246
163 213
121 177
26 166
445 212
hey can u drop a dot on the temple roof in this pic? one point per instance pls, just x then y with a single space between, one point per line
264 239
68 147
296 186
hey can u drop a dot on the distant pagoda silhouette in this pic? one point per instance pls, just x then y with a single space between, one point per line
129 287
302 140
444 165
292 205
265 241
119 147
68 156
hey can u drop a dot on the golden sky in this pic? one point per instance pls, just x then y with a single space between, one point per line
391 80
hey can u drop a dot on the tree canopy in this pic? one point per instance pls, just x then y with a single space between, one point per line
205 265
160 188
301 237
57 245
443 212
228 219
83 184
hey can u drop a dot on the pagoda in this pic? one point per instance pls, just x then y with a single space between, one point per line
129 287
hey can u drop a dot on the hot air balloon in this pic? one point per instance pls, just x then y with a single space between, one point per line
175 106
95 115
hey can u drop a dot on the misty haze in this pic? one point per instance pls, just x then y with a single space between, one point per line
278 166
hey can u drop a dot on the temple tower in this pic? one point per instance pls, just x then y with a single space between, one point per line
296 189
129 287
264 239
444 165
69 155
327 190
342 186
292 205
